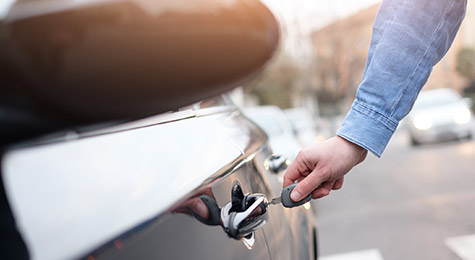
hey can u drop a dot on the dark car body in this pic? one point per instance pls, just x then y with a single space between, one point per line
128 192
69 63
93 165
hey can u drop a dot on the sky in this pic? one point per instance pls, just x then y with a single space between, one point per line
313 14
318 12
301 17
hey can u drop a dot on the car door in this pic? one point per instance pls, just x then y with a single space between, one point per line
128 192
289 232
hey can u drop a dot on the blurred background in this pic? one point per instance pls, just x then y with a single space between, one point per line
418 200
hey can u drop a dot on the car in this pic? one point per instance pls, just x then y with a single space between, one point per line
274 122
158 188
118 143
305 127
439 114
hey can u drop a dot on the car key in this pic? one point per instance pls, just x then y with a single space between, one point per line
285 199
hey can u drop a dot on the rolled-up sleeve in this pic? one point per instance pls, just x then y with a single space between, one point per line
409 38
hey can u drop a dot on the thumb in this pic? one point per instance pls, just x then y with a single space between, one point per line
307 185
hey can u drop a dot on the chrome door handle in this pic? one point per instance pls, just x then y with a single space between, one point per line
242 224
276 163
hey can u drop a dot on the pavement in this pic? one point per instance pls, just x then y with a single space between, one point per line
413 203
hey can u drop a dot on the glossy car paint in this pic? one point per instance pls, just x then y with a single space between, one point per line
127 193
287 228
67 63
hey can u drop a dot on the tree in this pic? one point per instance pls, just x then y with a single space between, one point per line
276 82
466 67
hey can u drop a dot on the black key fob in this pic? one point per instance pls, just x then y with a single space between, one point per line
288 202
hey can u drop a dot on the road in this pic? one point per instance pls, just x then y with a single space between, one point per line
405 205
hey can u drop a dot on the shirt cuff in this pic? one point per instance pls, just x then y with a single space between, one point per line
368 128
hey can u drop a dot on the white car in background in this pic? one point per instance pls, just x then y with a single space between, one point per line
440 114
305 127
273 121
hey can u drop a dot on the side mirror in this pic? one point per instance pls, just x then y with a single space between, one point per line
88 62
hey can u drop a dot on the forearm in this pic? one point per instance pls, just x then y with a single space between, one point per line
409 38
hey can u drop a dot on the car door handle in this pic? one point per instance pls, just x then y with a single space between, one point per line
276 163
241 224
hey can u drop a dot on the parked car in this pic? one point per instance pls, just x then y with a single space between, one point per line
305 127
113 146
440 114
274 122
157 188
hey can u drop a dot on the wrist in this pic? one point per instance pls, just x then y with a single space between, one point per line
355 150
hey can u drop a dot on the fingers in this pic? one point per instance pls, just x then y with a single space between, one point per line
200 208
310 183
327 162
297 170
323 190
326 187
196 205
338 184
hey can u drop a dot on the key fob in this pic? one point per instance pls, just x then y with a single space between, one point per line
288 202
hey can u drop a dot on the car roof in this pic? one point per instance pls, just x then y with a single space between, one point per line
438 92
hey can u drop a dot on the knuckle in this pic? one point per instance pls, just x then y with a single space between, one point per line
337 187
328 185
326 172
325 192
301 156
305 186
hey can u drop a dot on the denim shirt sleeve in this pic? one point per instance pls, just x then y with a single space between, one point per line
409 38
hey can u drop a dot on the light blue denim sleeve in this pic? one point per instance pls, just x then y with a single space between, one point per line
409 38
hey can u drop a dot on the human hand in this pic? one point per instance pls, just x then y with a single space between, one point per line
195 204
320 168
